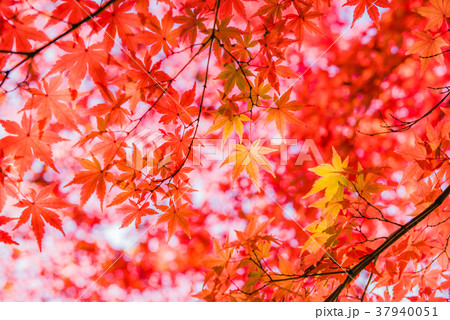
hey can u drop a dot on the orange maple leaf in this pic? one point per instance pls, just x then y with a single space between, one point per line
227 11
175 216
38 209
254 232
428 46
130 191
92 179
28 143
283 112
439 10
6 186
272 9
221 256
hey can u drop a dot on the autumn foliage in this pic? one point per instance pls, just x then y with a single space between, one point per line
224 150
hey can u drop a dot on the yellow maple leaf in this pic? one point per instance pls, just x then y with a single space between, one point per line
318 236
428 46
333 179
250 158
439 10
329 209
229 123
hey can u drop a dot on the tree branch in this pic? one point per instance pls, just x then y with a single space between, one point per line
32 54
354 272
405 125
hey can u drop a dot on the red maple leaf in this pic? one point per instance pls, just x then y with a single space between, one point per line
28 143
81 59
50 100
38 209
4 236
135 213
120 21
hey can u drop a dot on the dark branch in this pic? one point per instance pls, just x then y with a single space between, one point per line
435 55
405 125
32 54
355 271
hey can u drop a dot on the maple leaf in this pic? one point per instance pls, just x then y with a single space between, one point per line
140 77
18 31
332 178
173 108
271 69
175 216
303 20
366 185
180 191
130 191
114 110
272 44
250 158
221 256
92 179
119 21
227 11
283 113
428 46
4 236
260 91
74 11
234 75
439 10
372 9
132 170
254 232
6 186
320 233
27 143
179 145
110 147
229 123
189 24
243 44
81 59
38 209
162 35
135 212
272 9
224 32
50 100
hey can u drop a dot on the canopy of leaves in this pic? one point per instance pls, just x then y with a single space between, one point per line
224 150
